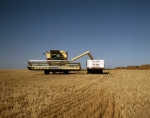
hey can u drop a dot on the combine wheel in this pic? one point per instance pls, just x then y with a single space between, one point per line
66 72
46 72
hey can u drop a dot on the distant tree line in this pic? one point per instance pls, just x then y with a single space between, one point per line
141 67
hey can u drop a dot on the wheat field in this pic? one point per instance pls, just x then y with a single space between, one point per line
114 94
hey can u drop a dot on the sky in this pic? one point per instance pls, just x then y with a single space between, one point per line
117 31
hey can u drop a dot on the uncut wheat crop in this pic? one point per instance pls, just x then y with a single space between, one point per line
114 94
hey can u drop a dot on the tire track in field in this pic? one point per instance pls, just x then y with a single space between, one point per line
98 107
71 100
100 110
74 100
89 108
69 106
81 99
104 75
105 107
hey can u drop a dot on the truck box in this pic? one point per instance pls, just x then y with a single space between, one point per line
95 66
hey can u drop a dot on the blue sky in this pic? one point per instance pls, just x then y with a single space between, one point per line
117 31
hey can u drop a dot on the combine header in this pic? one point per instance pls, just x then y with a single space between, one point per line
56 61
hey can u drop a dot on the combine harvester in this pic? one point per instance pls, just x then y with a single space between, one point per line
56 61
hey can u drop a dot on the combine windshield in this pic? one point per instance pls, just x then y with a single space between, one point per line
55 56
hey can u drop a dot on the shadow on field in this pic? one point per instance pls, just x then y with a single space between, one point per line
106 73
57 73
75 73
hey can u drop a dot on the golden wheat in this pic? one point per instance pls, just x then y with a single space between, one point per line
120 94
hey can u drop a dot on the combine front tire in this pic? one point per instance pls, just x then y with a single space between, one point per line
46 72
66 72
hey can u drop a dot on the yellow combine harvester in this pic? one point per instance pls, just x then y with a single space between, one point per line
56 61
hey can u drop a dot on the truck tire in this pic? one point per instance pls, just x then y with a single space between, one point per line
88 71
101 71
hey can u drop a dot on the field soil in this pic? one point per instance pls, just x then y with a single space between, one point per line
114 94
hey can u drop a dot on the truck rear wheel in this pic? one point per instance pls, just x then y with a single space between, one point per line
101 71
88 71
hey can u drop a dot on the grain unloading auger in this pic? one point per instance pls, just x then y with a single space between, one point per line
92 65
87 52
57 62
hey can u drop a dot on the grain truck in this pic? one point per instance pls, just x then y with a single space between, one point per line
92 65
